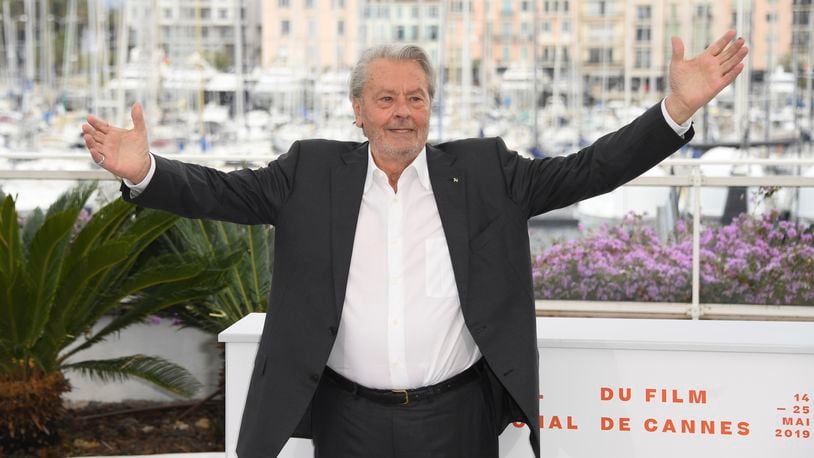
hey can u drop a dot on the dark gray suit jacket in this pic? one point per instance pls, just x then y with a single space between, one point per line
485 195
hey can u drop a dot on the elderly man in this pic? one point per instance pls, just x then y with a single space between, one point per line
401 318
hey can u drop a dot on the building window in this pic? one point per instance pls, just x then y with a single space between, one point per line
340 28
643 34
414 33
545 26
596 55
565 26
643 12
167 13
506 29
642 58
285 27
414 12
432 32
400 33
310 4
283 3
223 13
525 5
432 11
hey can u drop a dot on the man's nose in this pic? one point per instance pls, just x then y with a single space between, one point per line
402 108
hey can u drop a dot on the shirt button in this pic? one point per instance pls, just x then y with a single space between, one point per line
395 322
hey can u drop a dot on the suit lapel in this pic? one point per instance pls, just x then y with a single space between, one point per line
449 185
347 184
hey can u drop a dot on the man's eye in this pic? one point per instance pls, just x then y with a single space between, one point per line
386 99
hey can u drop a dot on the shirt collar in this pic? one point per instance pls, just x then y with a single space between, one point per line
419 164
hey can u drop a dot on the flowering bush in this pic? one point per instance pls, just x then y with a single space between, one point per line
753 260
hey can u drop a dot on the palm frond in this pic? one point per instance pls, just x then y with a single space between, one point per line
10 249
74 198
44 267
32 224
163 284
155 370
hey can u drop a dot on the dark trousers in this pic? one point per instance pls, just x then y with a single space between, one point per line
455 424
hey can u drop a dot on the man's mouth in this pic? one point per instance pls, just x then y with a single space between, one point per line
401 131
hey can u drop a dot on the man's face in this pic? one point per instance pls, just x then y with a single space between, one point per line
394 110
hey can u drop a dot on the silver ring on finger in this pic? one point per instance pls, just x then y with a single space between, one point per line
100 161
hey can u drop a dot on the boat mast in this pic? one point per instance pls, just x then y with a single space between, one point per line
11 41
535 90
121 60
441 47
742 84
30 58
466 62
239 101
70 45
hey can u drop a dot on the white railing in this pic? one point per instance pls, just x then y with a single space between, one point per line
694 180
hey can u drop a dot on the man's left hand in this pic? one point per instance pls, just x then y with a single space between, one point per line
696 81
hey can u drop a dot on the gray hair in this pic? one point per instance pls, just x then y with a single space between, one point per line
358 76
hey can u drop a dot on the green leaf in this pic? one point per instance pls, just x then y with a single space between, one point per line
165 282
74 199
155 370
33 223
101 227
10 250
43 271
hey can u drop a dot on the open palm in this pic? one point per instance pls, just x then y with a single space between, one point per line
122 152
694 82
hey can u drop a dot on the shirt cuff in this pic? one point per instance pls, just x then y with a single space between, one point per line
680 129
136 189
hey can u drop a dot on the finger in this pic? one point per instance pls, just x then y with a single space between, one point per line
92 148
678 49
88 129
137 114
718 45
730 77
99 124
735 60
731 50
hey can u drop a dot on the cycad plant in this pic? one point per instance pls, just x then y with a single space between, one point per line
247 281
58 277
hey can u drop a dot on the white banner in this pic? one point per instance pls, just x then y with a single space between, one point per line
621 388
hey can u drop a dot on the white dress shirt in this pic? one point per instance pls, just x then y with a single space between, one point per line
402 326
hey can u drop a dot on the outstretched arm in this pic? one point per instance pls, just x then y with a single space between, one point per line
696 81
122 152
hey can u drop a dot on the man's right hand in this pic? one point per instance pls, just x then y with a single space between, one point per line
122 152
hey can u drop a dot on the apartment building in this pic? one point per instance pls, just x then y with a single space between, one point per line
182 28
615 47
311 35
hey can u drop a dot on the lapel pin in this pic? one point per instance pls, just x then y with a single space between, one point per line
454 179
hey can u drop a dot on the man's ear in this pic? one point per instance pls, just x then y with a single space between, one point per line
357 111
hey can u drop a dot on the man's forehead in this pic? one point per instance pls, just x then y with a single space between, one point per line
393 74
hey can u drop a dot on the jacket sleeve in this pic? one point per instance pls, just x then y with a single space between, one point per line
541 185
243 196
